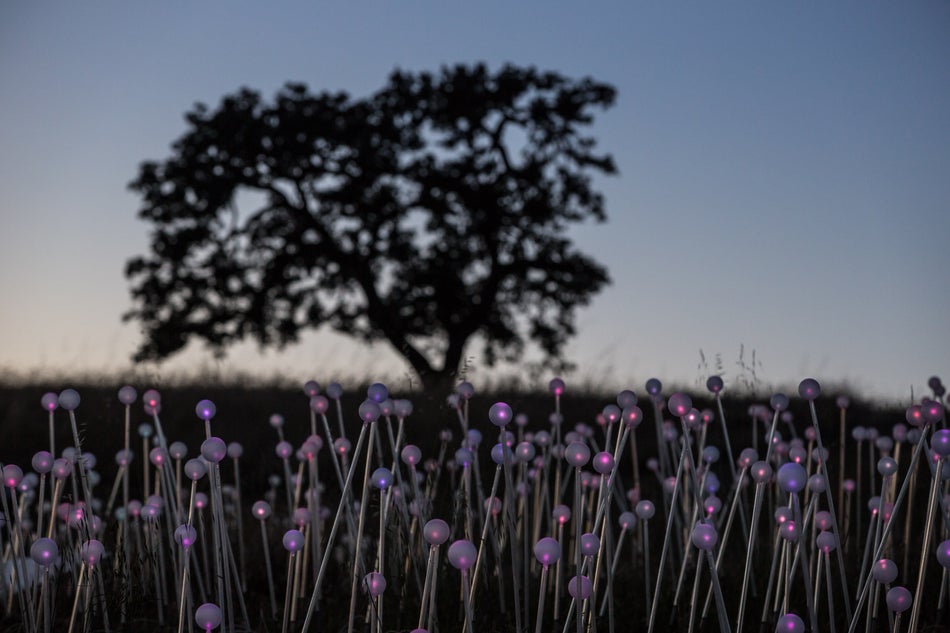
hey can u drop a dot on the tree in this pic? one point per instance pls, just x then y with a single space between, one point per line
425 214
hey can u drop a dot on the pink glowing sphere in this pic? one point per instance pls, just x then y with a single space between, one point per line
884 571
604 463
679 404
632 416
43 462
462 554
44 552
704 536
790 623
208 616
561 514
714 384
645 510
556 386
500 414
195 469
311 388
186 535
49 401
91 552
319 404
374 584
899 599
826 542
809 389
943 554
411 455
761 472
293 540
205 410
261 510
547 551
590 544
369 411
627 520
12 475
436 532
577 454
465 390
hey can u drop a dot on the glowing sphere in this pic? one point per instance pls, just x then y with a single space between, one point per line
44 552
577 454
714 384
654 387
186 535
899 599
42 462
127 395
214 449
382 478
403 408
632 416
261 510
556 386
679 404
69 399
319 404
779 402
940 442
465 390
932 412
943 554
704 536
500 452
809 389
747 457
49 401
586 588
789 531
884 571
91 552
604 462
311 388
283 449
547 551
374 584
590 544
205 410
790 623
12 475
293 540
761 472
462 554
500 414
792 477
208 616
377 392
369 411
914 416
436 532
411 455
826 542
645 510
561 514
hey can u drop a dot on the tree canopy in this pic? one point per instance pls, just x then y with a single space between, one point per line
430 212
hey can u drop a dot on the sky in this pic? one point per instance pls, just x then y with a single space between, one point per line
783 186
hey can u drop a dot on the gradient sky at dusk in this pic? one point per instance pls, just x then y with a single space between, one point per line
784 171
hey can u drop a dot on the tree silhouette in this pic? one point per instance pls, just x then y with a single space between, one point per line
430 212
